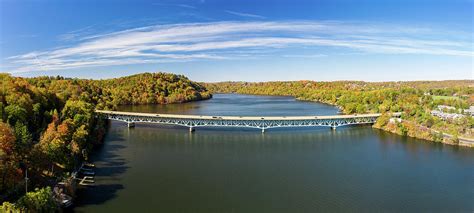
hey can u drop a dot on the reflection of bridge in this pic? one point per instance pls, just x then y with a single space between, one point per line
262 123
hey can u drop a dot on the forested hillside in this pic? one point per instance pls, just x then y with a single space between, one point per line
146 88
47 124
415 99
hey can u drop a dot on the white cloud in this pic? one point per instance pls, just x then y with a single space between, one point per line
246 15
75 34
305 56
187 6
227 40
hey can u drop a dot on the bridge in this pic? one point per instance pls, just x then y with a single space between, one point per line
263 123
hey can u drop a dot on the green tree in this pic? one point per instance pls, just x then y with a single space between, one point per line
15 114
80 111
40 200
382 120
23 136
8 207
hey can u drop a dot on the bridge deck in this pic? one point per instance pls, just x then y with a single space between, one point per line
247 118
259 122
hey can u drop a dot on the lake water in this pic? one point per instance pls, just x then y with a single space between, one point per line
154 168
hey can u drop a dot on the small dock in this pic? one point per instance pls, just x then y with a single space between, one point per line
86 173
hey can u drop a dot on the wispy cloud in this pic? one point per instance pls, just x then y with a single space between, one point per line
246 15
72 35
305 56
229 40
187 6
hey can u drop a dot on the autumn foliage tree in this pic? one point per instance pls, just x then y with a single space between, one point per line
414 99
10 173
47 122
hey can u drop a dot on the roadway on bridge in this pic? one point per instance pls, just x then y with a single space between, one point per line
248 118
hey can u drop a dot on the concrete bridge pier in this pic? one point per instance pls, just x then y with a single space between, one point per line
191 129
130 124
263 130
333 128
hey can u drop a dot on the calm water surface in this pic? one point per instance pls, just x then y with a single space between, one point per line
152 168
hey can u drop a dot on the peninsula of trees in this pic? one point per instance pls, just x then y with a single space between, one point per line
48 124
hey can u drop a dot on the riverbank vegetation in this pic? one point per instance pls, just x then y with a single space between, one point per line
48 124
415 99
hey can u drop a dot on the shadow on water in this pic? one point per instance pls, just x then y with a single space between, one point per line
109 166
353 169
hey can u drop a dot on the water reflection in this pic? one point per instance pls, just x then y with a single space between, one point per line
164 168
109 165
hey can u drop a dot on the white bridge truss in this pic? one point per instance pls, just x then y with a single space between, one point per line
192 121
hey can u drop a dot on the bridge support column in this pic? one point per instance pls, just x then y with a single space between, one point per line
191 129
130 124
333 128
263 130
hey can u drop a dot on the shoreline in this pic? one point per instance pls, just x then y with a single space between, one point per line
447 138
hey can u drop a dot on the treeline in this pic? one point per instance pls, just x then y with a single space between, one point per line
48 124
416 99
146 88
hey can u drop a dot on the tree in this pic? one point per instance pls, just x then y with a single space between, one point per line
23 136
455 139
438 137
382 120
2 113
80 111
40 200
51 146
16 113
9 208
79 139
402 129
7 140
8 157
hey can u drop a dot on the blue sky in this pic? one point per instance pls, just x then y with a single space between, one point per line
210 40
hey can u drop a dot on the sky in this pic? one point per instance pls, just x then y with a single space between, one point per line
247 40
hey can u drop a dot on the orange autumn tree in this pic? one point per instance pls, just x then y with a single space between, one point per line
10 173
53 145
